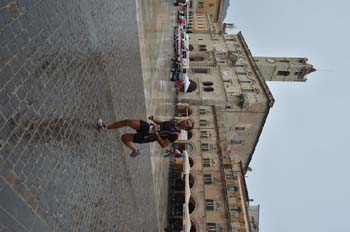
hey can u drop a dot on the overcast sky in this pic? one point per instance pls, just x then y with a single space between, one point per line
300 172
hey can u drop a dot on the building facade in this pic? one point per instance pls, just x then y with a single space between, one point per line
231 89
215 9
229 107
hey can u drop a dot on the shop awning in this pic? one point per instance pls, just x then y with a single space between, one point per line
186 82
186 163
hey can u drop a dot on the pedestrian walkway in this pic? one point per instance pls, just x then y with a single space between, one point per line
156 43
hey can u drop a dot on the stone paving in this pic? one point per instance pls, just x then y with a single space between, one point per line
63 64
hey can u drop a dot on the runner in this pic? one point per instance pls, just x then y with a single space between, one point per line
164 132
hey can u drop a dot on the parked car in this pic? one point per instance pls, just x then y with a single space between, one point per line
177 2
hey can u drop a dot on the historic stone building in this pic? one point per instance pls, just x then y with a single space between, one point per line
215 9
232 95
229 107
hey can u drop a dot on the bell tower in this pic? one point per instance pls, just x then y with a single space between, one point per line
284 68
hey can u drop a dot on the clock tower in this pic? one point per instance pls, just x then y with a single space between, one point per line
284 68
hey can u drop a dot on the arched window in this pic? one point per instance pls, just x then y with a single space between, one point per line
191 205
207 83
191 161
208 89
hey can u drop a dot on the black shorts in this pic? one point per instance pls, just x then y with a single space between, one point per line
139 137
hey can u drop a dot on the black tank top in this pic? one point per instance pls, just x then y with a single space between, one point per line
167 130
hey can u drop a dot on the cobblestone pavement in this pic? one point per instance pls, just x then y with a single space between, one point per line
63 64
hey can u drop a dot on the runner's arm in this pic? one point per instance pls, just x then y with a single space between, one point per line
162 142
154 120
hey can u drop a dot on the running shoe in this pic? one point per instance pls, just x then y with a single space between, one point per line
135 153
101 124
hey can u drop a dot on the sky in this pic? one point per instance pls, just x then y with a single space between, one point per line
300 176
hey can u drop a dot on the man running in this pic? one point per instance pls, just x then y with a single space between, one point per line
164 132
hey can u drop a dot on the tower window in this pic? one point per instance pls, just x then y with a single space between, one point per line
283 73
211 4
